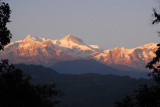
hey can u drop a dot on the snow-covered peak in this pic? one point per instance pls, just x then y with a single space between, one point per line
72 38
148 46
94 46
39 39
73 47
30 37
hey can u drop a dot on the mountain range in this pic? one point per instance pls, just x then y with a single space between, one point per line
47 52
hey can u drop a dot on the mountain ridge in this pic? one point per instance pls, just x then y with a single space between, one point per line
47 52
100 90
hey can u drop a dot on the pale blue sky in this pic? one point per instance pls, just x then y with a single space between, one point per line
107 23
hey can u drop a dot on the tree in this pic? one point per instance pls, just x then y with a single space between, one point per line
5 34
15 87
126 102
153 64
17 91
147 96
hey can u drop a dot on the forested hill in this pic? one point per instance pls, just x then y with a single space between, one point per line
85 90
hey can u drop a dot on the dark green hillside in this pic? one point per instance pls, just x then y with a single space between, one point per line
86 90
92 90
39 74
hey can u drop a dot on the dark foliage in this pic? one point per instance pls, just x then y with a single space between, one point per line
126 102
154 67
85 90
144 97
156 16
147 96
5 34
17 91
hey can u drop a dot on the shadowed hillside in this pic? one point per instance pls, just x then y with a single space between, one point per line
90 89
92 66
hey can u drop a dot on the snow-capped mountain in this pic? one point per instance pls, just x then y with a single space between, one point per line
135 58
75 47
47 52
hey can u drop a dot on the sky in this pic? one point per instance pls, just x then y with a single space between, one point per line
106 23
